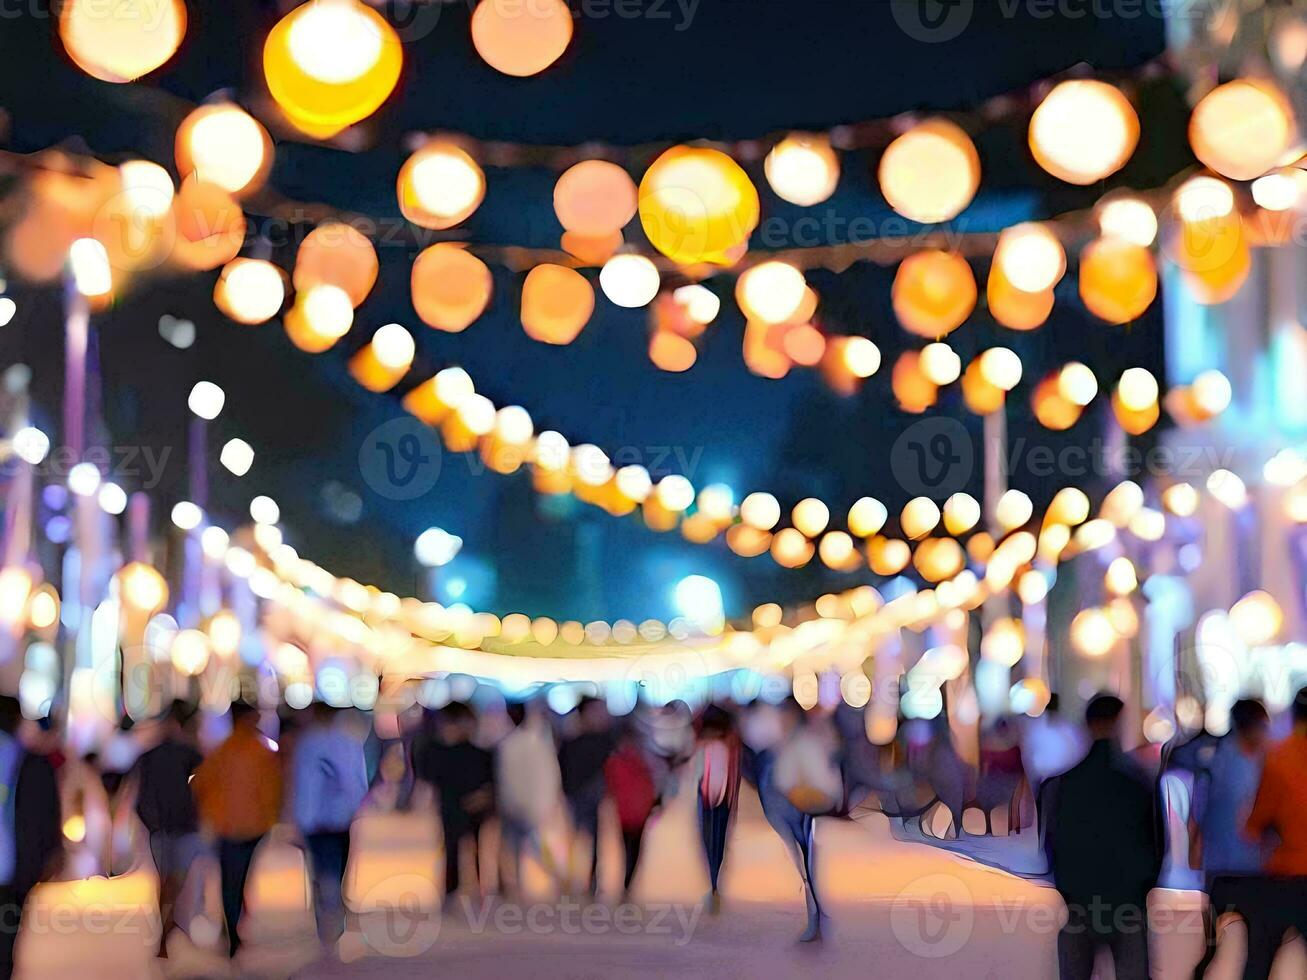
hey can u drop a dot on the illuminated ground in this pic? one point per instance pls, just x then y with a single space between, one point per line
897 909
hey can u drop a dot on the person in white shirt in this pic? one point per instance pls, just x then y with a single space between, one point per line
529 787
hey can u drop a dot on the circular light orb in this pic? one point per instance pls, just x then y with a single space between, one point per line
210 225
860 356
771 292
1128 218
237 457
1031 257
919 517
264 510
697 204
867 516
1051 409
836 550
521 39
1118 279
961 513
451 287
189 652
930 173
761 511
1001 367
1092 633
934 292
1015 308
121 41
802 169
1280 190
557 302
330 64
671 352
1014 509
1077 384
700 303
630 281
1137 389
440 186
224 145
206 400
30 444
940 363
187 515
790 549
326 311
113 498
148 188
810 516
142 587
1083 131
1212 392
337 254
1242 129
1204 199
393 346
595 198
1257 618
250 291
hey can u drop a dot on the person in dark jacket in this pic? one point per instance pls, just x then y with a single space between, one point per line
581 760
167 809
1104 845
463 776
30 826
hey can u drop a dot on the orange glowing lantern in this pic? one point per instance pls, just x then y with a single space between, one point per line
1118 279
521 39
337 254
595 198
931 172
914 391
451 287
556 304
696 205
934 293
440 185
1014 308
1242 129
121 41
210 225
224 145
671 352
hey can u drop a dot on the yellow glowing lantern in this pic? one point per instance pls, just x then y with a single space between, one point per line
1001 367
940 363
320 316
920 516
383 363
867 516
451 287
961 513
1128 218
521 39
791 549
1257 618
930 173
697 204
1069 506
121 41
748 542
803 169
142 587
1077 384
981 395
595 198
337 254
761 511
1014 308
938 559
1134 421
671 352
224 145
1030 257
190 653
771 292
440 186
1052 409
556 304
1092 632
1083 131
1004 642
330 64
934 293
836 551
887 556
913 390
210 225
250 291
630 280
1118 279
861 356
810 516
1242 129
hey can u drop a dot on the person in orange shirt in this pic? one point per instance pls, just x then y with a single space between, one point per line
238 793
1281 806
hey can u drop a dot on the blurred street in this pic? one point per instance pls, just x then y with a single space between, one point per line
902 909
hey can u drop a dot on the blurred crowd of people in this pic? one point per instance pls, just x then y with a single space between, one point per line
154 789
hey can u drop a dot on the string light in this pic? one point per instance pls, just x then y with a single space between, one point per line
630 281
803 169
121 41
440 186
930 173
1083 131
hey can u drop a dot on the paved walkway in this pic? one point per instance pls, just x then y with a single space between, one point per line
898 909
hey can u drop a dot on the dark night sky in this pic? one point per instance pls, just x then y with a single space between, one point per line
740 69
